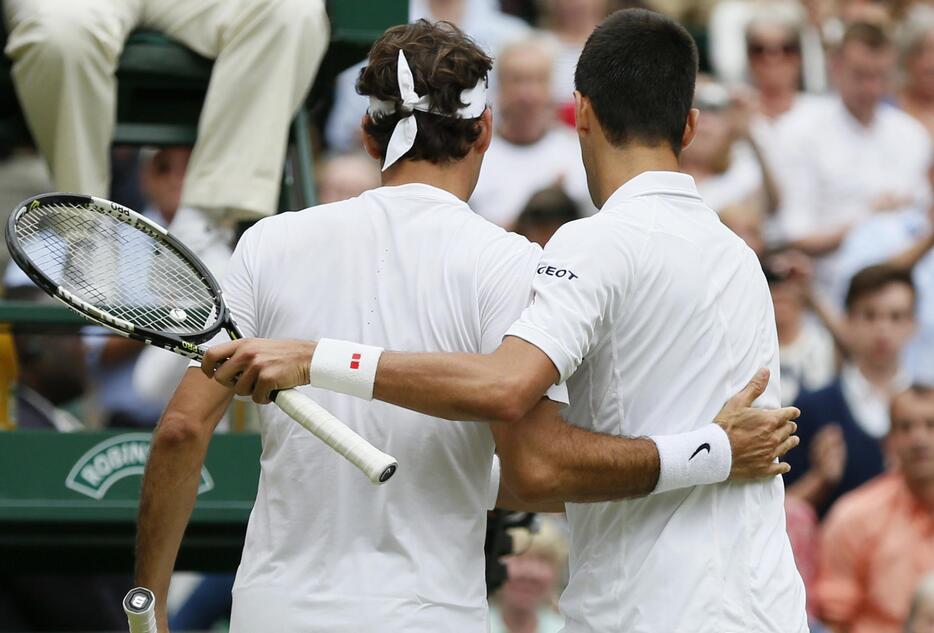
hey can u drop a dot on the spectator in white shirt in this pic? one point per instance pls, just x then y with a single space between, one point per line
852 156
529 151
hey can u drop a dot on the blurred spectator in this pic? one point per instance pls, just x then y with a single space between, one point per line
773 47
852 156
801 523
916 62
905 240
480 19
570 22
64 55
921 614
806 349
723 159
877 541
842 425
23 174
528 151
544 214
733 23
51 368
344 176
112 359
527 601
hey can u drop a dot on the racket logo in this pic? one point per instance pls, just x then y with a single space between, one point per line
139 601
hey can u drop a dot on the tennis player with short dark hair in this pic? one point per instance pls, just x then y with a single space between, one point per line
653 313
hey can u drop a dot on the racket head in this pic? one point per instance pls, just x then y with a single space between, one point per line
144 283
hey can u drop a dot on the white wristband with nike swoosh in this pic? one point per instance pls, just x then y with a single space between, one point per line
695 458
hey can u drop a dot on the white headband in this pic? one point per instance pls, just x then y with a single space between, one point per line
403 135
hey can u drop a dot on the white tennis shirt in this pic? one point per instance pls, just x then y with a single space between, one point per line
661 314
408 268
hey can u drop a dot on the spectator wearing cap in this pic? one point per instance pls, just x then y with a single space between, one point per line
850 417
878 541
852 156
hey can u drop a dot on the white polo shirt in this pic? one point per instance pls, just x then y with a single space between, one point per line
408 268
655 314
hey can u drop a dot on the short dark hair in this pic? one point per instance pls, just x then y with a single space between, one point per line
870 35
444 62
873 279
638 69
551 205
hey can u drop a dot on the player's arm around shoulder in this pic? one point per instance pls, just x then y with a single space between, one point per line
170 483
547 461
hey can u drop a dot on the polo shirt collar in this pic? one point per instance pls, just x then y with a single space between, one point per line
653 183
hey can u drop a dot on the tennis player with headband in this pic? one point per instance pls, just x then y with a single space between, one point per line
410 266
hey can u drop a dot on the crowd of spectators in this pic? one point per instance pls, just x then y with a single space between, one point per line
814 145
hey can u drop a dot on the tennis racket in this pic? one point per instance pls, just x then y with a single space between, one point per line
122 271
140 608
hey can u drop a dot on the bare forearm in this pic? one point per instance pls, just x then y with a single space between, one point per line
817 245
451 386
170 483
907 259
589 467
502 386
544 459
170 486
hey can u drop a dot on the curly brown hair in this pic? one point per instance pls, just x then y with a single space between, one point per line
444 62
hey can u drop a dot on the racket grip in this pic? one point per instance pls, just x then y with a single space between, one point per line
375 464
140 608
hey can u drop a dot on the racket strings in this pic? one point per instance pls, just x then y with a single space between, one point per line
117 268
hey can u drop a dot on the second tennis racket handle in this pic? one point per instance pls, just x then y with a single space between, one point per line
140 608
375 464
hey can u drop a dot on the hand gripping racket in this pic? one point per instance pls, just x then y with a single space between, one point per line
120 270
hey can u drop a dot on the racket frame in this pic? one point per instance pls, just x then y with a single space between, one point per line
187 344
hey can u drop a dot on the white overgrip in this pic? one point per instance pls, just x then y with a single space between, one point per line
375 464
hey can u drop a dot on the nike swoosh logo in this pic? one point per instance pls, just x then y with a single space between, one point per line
703 447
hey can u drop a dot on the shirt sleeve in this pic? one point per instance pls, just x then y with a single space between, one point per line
238 283
580 274
504 278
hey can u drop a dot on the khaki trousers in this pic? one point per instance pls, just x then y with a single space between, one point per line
267 52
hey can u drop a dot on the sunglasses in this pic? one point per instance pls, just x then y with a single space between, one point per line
760 50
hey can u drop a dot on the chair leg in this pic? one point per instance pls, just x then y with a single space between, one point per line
305 165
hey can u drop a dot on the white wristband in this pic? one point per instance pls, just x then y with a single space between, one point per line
345 367
689 459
